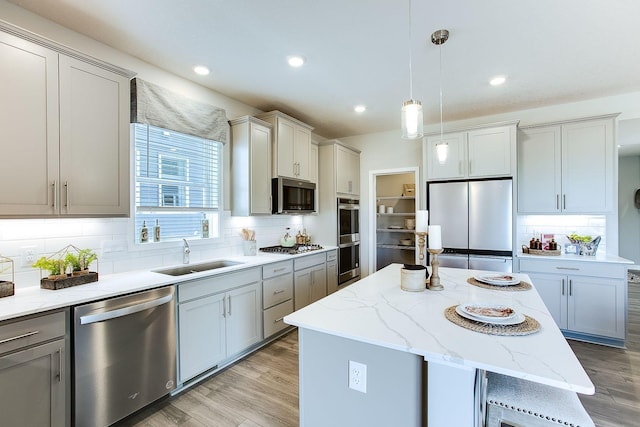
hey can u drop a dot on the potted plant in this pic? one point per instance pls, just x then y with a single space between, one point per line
80 261
56 267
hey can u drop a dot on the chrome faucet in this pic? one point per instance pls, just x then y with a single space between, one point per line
185 252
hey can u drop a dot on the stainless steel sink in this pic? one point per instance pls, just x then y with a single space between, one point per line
196 268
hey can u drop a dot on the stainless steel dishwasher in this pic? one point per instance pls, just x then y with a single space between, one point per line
124 355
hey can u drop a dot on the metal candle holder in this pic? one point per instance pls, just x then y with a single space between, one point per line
434 281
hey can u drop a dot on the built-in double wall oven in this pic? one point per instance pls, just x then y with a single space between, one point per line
348 241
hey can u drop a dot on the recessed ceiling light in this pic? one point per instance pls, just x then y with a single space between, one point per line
201 70
359 108
295 61
497 81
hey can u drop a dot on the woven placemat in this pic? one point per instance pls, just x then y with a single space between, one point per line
529 326
522 286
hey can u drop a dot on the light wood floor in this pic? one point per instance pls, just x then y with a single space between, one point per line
262 390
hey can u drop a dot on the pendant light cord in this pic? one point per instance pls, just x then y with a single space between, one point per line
410 65
441 126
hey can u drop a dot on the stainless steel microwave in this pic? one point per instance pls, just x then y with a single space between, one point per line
292 196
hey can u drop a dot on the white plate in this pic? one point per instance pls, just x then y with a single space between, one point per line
498 279
482 305
516 319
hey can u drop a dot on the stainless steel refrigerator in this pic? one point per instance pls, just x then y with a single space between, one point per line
476 218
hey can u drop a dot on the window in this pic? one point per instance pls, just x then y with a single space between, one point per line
178 184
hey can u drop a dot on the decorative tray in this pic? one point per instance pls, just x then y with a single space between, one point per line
526 250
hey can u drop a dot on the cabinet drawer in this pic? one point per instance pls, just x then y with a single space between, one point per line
273 318
309 261
31 331
277 290
276 269
332 256
217 283
578 268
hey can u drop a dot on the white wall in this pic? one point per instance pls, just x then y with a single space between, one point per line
109 237
629 215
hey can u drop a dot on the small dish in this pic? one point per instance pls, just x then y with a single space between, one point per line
498 279
514 319
406 242
488 311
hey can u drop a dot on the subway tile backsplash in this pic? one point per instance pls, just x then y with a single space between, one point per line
561 225
111 239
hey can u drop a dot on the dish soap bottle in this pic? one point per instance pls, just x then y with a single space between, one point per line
156 232
144 233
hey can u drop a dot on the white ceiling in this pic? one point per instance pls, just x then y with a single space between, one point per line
357 52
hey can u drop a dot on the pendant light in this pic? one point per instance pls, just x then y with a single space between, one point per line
412 124
442 148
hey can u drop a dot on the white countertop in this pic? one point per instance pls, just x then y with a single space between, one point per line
568 257
33 300
375 310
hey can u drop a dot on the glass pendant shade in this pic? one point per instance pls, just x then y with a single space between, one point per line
442 149
412 126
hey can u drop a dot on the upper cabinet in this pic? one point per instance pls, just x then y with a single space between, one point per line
250 173
476 153
347 163
68 135
291 145
567 167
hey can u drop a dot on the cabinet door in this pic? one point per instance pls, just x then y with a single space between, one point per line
539 175
302 148
597 306
94 140
347 171
451 165
202 334
587 166
313 164
318 288
244 318
302 288
332 277
489 152
32 386
260 186
284 157
30 135
553 291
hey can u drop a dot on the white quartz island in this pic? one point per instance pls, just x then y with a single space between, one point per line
376 314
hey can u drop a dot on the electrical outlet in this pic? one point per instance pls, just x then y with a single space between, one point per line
28 255
358 376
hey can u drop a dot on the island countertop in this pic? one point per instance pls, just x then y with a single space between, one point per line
377 311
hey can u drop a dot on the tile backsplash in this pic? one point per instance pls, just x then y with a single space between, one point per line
529 226
112 240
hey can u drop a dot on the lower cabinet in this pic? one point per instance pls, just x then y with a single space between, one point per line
218 318
33 374
277 295
332 272
589 302
310 280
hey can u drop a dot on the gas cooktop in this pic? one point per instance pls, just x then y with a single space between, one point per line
293 250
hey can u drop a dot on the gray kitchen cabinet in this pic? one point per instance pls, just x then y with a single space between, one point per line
277 295
33 372
218 318
332 272
310 280
347 170
291 145
567 167
251 168
586 299
69 123
488 151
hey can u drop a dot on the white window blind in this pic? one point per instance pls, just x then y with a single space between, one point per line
178 183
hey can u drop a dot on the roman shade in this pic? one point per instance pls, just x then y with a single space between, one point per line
154 105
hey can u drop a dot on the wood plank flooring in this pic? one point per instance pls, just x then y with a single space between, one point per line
262 390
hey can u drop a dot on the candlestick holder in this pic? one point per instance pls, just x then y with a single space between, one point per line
421 244
434 281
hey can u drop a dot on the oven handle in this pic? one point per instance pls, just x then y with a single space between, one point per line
349 207
125 311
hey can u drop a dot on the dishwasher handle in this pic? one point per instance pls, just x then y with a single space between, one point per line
124 311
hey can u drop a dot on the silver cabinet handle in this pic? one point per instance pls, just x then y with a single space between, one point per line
570 287
278 291
568 268
55 196
224 306
59 374
564 201
66 193
125 311
18 337
562 286
557 202
229 300
275 270
470 167
278 320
